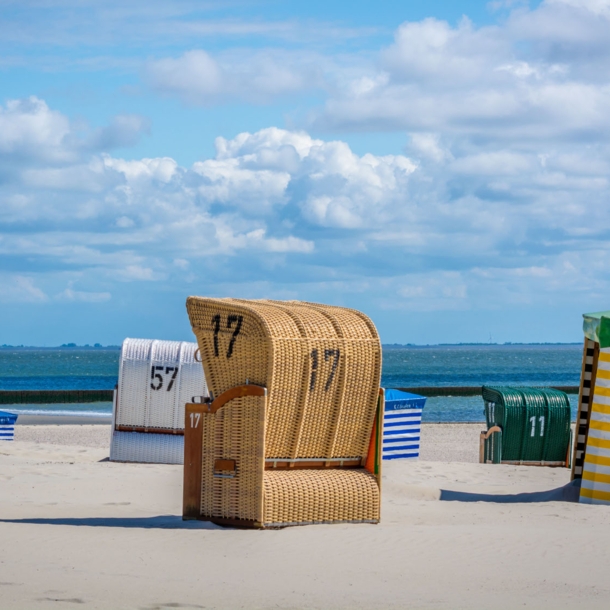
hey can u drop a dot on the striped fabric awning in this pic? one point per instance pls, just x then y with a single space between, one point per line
401 433
7 426
402 424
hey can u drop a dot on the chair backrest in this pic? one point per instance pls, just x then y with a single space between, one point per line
320 364
535 422
156 379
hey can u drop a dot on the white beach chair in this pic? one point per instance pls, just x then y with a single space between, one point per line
156 379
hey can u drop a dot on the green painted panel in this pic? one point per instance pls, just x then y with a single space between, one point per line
591 322
535 422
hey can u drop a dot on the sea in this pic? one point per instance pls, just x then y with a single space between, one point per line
84 368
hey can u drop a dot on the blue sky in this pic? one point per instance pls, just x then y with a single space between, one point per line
442 166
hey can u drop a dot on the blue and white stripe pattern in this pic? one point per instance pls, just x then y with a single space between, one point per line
7 426
402 425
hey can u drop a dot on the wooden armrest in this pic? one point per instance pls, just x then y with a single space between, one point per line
492 430
236 392
485 434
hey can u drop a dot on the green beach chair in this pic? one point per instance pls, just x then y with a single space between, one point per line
529 426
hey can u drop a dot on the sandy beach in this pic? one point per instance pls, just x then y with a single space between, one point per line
79 531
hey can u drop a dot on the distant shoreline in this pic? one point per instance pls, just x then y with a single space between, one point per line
100 348
68 348
508 344
62 420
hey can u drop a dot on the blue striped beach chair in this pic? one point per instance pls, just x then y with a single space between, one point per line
402 425
7 426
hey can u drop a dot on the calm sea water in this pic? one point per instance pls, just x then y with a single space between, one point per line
539 365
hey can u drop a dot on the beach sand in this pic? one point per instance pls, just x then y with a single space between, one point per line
79 531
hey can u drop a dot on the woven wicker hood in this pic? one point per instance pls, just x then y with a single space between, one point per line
320 364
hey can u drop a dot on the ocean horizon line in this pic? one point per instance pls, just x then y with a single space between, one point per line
98 346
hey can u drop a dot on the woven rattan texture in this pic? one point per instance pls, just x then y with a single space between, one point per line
156 380
268 498
320 496
320 364
236 432
208 455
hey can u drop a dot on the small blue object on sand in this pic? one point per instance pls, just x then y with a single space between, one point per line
7 426
402 424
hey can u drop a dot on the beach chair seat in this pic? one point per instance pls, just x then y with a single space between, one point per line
320 496
291 433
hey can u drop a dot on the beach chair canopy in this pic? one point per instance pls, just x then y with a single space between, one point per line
308 436
591 324
156 380
534 424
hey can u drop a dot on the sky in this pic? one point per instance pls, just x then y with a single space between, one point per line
442 166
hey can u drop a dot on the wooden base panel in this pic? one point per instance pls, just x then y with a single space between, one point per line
518 463
311 464
193 441
152 430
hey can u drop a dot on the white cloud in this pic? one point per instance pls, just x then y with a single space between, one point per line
195 75
458 224
124 130
136 272
33 135
30 129
428 145
540 75
153 24
597 7
229 182
253 76
149 220
69 294
20 289
432 292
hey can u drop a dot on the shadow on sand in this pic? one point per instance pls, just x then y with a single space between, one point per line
567 493
167 522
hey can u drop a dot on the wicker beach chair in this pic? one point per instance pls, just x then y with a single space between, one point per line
291 434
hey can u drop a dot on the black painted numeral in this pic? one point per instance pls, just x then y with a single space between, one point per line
314 369
216 323
171 381
328 353
159 376
334 353
154 376
232 319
